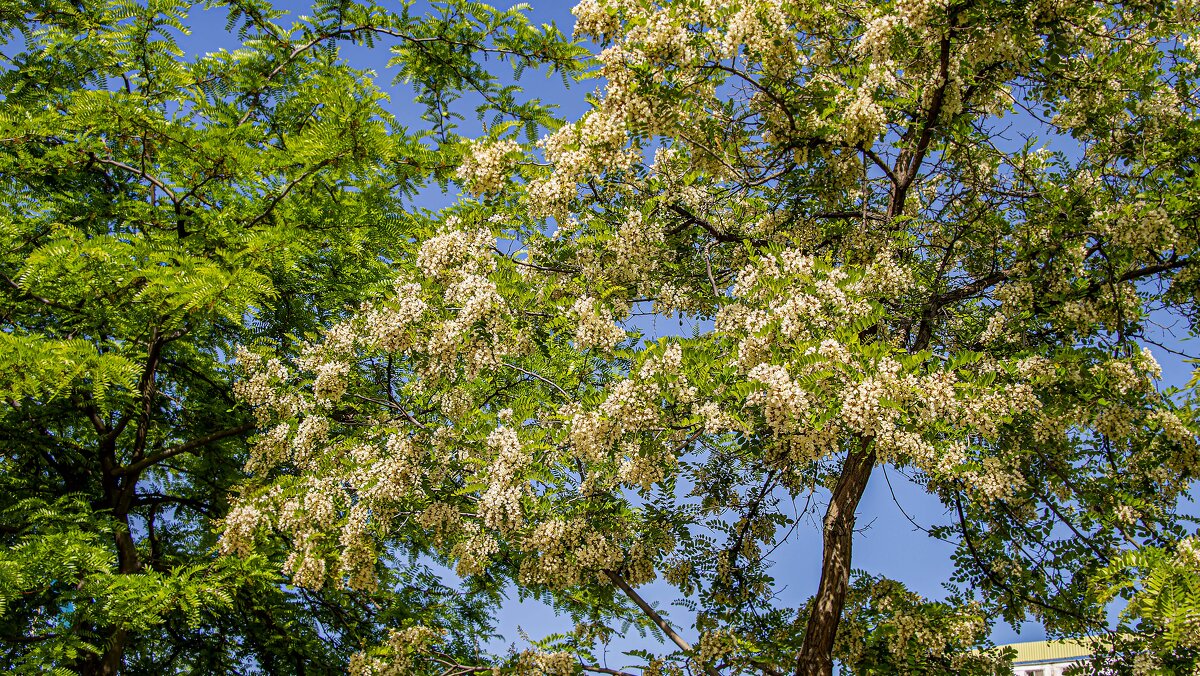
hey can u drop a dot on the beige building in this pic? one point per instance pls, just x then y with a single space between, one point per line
1048 658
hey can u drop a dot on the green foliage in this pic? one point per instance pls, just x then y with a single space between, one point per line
62 562
159 208
1160 623
890 630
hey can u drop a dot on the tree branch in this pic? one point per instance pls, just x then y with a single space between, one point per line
605 670
139 173
536 376
651 613
288 189
182 448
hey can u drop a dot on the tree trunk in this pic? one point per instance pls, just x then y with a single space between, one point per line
114 656
816 654
118 494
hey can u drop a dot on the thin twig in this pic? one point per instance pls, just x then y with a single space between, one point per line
536 376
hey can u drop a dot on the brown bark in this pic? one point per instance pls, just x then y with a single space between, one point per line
119 492
816 654
119 495
657 619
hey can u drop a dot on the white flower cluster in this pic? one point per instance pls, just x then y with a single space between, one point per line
476 298
919 15
487 164
877 36
310 438
1187 553
500 505
540 663
714 646
240 527
385 479
629 407
402 646
784 402
1123 376
390 327
476 336
596 328
761 27
1116 421
456 252
993 481
626 106
599 142
561 553
330 383
1137 226
474 551
358 555
997 328
257 389
993 46
807 302
549 195
261 387
594 20
637 246
915 631
886 277
662 38
441 520
938 395
643 469
1173 428
306 566
863 119
863 409
1036 368
270 449
591 435
716 420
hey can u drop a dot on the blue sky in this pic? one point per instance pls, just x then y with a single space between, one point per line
888 542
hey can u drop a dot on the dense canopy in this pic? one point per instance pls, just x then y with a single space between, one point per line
935 237
160 207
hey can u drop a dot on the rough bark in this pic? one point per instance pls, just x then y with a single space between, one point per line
816 654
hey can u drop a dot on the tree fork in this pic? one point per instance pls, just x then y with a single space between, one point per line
816 654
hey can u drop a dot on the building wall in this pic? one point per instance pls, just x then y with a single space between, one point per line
1049 658
1045 669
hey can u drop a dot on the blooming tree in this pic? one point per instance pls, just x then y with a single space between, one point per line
928 235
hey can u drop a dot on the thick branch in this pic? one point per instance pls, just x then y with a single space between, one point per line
28 294
651 613
149 178
147 386
605 670
991 576
188 447
816 654
693 219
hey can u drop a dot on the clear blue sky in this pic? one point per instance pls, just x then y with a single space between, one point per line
888 542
